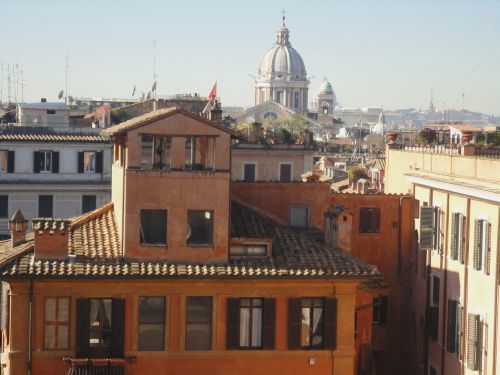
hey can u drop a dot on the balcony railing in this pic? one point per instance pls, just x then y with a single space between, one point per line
86 366
437 149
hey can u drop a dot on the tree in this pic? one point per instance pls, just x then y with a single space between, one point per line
228 121
355 173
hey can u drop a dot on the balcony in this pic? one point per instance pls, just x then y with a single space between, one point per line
104 366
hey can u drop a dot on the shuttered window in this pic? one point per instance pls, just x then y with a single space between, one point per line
285 172
4 206
457 236
89 203
249 172
426 228
454 328
369 220
481 259
100 329
90 162
6 161
474 342
45 206
251 323
312 323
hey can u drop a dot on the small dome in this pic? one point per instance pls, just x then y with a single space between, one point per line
282 61
326 88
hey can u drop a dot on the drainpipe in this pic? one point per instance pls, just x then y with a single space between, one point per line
30 328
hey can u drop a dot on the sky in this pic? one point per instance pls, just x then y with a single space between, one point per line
388 53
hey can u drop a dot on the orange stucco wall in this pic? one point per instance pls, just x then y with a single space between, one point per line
275 197
174 359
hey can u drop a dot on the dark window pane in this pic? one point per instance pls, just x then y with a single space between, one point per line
153 229
4 206
100 323
45 206
369 220
200 227
88 203
151 323
198 323
285 172
249 172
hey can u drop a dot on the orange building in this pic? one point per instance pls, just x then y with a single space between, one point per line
175 277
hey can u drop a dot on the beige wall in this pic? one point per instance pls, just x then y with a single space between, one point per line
400 162
267 163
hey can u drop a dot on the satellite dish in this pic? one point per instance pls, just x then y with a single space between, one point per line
61 93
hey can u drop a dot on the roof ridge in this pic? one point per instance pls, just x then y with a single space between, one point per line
80 220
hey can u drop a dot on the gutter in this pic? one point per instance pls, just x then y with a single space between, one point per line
30 329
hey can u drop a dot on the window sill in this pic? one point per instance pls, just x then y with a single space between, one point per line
209 246
163 246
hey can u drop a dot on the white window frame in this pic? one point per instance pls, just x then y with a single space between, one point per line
43 167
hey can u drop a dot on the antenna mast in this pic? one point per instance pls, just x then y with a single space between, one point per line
154 67
8 84
1 85
66 85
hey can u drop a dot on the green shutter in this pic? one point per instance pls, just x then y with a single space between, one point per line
463 238
451 326
455 232
426 228
459 331
487 234
473 348
476 259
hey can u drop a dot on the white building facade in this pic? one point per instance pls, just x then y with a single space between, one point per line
46 173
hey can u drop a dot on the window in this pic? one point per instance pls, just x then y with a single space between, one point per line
101 320
249 172
248 250
454 328
90 162
45 206
88 203
100 328
51 112
285 172
432 318
46 162
251 323
4 206
475 328
430 228
156 151
198 323
435 290
457 241
380 310
298 216
312 323
56 327
482 246
151 323
200 227
153 230
296 99
369 220
6 161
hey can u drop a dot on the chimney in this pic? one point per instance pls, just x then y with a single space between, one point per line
51 238
43 100
18 226
216 112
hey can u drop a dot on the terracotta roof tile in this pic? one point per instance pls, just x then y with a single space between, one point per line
9 133
94 251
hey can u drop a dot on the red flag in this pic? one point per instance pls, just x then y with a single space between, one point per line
213 93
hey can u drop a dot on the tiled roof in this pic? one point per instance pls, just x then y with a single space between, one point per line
94 251
44 106
160 114
32 134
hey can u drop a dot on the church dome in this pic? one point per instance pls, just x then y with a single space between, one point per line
282 61
326 88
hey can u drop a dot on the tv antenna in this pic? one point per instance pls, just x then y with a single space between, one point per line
154 68
66 84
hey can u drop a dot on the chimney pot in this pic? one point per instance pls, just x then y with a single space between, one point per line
18 226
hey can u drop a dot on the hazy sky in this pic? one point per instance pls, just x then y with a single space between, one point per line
386 53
